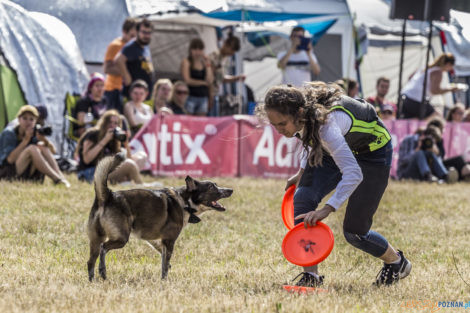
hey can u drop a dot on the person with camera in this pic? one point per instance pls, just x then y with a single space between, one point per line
106 138
25 152
299 62
419 157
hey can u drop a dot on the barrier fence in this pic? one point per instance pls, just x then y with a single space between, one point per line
179 145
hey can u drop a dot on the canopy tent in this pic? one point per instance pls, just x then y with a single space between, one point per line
42 61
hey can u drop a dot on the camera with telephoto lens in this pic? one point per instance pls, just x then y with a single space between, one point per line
427 143
45 130
119 134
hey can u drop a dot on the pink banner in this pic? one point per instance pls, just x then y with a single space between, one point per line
186 145
265 153
237 146
460 141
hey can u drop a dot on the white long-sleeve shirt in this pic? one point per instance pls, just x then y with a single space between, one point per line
332 136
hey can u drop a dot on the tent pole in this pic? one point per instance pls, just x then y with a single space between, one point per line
402 54
427 17
240 83
425 80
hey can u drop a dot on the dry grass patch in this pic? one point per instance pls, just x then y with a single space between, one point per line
231 261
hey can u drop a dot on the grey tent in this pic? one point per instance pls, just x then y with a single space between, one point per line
43 60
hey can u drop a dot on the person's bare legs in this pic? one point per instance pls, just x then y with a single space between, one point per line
32 154
311 269
47 154
128 170
390 256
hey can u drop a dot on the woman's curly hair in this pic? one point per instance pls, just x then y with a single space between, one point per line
309 106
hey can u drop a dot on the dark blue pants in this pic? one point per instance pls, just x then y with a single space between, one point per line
317 182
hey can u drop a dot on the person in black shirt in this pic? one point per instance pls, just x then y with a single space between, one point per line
134 59
197 73
91 106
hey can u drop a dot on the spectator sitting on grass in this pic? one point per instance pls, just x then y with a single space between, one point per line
105 139
25 153
161 94
136 111
419 157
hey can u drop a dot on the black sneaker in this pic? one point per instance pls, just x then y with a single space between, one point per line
309 280
392 273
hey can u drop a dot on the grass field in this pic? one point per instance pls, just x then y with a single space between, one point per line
231 261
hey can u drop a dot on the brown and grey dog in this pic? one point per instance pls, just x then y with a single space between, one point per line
157 216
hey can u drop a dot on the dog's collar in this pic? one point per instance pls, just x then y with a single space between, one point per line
193 218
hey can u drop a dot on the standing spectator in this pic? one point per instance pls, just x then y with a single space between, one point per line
136 111
299 62
161 94
179 96
218 60
379 101
412 93
101 141
91 106
134 59
456 114
197 73
25 153
113 82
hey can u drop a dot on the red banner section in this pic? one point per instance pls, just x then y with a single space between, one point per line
264 152
238 146
187 145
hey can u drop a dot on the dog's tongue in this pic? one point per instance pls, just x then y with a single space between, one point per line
217 205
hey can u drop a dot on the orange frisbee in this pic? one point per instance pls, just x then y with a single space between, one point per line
308 246
303 290
288 207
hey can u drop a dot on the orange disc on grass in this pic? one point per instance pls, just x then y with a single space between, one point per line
288 207
308 246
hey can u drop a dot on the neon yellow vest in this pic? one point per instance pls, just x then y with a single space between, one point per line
367 132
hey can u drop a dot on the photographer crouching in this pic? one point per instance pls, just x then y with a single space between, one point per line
26 153
419 159
106 138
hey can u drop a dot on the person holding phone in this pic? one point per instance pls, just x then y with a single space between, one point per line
299 63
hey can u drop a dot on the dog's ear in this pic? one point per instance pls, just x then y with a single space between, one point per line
193 219
190 184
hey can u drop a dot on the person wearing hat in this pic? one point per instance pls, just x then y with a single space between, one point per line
91 106
25 154
387 112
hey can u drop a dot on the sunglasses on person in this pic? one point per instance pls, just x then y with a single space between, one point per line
182 92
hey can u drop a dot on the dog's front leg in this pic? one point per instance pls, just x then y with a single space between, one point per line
156 244
167 251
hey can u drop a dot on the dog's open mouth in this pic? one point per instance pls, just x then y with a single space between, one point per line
217 206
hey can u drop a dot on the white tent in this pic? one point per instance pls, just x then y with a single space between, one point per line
44 55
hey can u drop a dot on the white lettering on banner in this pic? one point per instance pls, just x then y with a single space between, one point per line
176 145
195 149
266 148
164 136
151 143
285 161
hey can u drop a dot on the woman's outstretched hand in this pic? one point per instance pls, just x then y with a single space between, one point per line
311 218
294 180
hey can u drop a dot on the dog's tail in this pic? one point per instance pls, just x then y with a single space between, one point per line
104 167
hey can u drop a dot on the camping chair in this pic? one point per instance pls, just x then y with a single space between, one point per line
68 129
